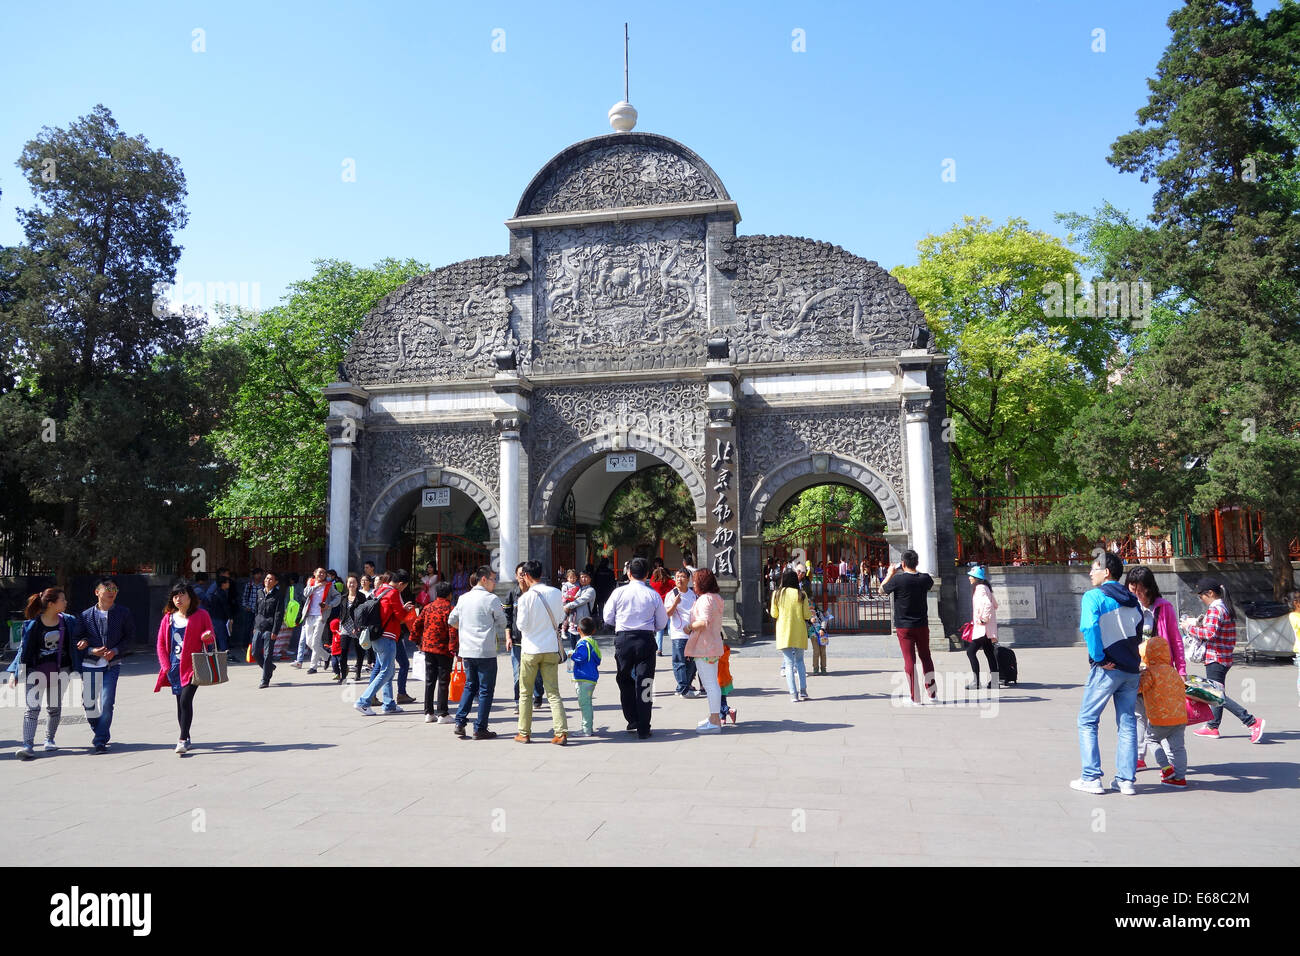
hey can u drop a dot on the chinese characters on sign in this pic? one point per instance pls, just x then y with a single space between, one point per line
724 537
436 498
620 462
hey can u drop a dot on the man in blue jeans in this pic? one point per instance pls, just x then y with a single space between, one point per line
109 630
478 617
1110 620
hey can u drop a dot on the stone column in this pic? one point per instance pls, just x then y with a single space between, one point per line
347 408
514 395
920 485
510 448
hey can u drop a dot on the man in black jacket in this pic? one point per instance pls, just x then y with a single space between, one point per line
267 621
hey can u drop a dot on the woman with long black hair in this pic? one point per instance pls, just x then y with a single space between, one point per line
185 629
50 652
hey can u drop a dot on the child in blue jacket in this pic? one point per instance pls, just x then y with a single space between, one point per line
586 671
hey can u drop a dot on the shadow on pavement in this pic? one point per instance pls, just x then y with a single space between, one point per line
1242 777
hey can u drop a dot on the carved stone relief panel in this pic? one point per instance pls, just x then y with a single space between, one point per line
445 324
796 298
472 449
622 175
620 295
871 436
673 412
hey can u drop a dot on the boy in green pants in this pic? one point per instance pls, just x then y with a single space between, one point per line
586 671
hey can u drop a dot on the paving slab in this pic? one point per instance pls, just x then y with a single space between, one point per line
291 775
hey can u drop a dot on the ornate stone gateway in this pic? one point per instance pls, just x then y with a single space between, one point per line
629 318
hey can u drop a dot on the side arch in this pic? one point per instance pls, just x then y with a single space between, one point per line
770 489
382 518
570 463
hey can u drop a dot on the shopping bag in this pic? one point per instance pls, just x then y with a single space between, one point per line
1198 711
209 666
457 686
248 653
1202 688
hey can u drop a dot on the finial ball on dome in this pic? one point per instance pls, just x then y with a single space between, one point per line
622 116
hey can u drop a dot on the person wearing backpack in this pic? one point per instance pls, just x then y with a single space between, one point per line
268 618
1110 620
392 613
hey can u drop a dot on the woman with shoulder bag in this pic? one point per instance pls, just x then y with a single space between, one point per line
984 627
185 630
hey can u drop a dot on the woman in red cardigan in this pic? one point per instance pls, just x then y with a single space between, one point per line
184 629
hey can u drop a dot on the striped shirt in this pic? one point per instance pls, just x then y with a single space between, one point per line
1219 633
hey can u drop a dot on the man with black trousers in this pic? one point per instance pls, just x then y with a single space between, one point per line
911 620
267 621
636 613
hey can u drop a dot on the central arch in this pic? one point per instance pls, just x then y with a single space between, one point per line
560 476
774 488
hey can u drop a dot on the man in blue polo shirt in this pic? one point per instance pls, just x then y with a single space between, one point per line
1110 620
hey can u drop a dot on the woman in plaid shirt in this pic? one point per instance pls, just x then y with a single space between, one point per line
1219 632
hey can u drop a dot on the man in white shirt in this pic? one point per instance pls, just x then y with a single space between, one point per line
313 622
539 612
478 617
635 612
677 605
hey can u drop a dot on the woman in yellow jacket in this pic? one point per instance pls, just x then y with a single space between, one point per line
792 613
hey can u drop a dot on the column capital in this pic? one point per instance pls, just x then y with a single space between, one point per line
508 425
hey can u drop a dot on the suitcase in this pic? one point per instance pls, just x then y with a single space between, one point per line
1007 671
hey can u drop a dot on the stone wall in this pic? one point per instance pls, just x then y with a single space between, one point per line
1048 597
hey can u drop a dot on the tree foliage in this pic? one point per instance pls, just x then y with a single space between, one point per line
1019 369
650 506
1205 412
103 413
828 504
273 434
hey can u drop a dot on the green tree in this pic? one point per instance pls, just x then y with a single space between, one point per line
273 434
1025 352
102 416
1206 413
828 504
650 506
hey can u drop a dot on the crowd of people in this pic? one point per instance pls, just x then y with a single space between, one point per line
366 628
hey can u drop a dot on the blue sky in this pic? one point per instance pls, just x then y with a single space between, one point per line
844 142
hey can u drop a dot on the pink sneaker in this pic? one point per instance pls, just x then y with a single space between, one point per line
1207 732
1257 730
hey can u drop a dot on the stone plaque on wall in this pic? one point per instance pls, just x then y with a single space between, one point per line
1019 603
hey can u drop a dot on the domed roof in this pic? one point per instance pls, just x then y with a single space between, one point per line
619 170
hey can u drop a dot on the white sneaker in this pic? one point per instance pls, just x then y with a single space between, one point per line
709 728
794 698
393 710
1088 786
180 747
50 747
363 708
188 744
430 719
1123 786
444 719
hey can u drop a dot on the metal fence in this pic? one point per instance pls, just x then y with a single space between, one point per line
1020 536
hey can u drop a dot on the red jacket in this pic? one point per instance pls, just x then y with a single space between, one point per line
336 646
391 610
435 634
198 631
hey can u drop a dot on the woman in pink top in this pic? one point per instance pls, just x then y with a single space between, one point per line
1160 619
185 628
705 645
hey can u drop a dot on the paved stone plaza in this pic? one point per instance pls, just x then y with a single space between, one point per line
292 775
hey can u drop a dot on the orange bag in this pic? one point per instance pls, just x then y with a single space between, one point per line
457 686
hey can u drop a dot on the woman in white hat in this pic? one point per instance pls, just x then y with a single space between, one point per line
984 626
